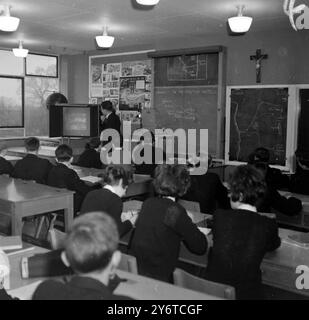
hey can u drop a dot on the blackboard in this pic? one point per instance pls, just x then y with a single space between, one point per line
186 94
188 108
257 117
303 128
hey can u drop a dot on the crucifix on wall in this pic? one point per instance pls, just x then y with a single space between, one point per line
258 66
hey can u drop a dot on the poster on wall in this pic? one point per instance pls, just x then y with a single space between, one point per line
132 93
136 68
96 74
133 116
96 90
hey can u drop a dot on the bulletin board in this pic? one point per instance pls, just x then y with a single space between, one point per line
125 80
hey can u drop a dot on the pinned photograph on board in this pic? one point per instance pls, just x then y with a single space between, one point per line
113 67
96 73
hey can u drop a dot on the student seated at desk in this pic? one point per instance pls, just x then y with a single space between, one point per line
5 166
300 180
242 236
91 251
108 199
163 224
272 200
208 191
31 167
274 177
62 176
90 158
148 148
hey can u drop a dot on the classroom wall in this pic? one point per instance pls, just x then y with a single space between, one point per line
288 52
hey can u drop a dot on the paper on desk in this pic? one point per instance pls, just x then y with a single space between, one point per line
92 179
25 292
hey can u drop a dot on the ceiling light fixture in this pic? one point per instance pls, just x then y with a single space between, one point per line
148 2
8 23
105 41
240 24
20 52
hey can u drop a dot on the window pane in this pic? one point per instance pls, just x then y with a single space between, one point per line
37 89
11 102
39 65
10 65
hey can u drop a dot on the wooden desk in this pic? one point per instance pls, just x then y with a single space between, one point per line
137 287
44 152
141 183
12 159
19 199
302 219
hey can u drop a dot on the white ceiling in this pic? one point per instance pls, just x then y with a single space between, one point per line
69 26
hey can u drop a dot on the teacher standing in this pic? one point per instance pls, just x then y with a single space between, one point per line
109 119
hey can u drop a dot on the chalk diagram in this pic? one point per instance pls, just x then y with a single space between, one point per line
258 119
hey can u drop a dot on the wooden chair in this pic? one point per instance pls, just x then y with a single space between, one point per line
186 280
128 263
190 205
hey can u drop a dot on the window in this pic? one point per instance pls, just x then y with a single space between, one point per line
11 102
11 65
42 65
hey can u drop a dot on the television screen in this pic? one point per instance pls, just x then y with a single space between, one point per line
76 122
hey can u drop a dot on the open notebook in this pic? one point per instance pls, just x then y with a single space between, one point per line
300 240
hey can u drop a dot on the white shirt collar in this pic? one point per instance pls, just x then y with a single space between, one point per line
248 207
110 188
171 198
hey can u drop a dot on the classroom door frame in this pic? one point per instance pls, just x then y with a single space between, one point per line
292 125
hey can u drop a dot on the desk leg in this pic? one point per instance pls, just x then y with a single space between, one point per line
16 221
68 215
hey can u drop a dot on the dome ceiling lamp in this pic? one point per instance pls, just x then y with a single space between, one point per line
105 41
7 22
240 23
20 52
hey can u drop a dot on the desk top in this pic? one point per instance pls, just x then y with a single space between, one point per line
12 158
43 151
16 190
137 287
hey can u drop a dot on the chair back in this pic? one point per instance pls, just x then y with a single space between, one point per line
56 238
186 280
128 263
190 205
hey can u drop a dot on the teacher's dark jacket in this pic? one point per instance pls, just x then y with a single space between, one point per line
112 121
5 166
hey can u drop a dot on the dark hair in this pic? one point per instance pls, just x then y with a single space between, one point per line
114 173
247 185
32 144
64 153
93 143
259 155
171 180
107 105
91 242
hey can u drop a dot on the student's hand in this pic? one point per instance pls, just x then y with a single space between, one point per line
133 219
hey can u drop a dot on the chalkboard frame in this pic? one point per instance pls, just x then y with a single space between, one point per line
291 124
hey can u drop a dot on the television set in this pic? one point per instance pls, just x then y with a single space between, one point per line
72 120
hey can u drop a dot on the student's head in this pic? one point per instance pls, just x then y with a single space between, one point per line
117 177
171 180
94 143
32 144
91 245
302 159
247 185
107 107
259 155
64 153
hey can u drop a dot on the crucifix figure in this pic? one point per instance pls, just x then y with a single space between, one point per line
258 58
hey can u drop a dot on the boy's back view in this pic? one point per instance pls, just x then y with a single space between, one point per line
31 167
62 176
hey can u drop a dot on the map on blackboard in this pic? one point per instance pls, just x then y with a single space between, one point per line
258 118
184 68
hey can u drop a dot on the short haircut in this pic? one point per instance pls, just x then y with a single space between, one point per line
171 180
91 242
32 144
247 182
107 105
64 153
93 143
259 155
114 173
